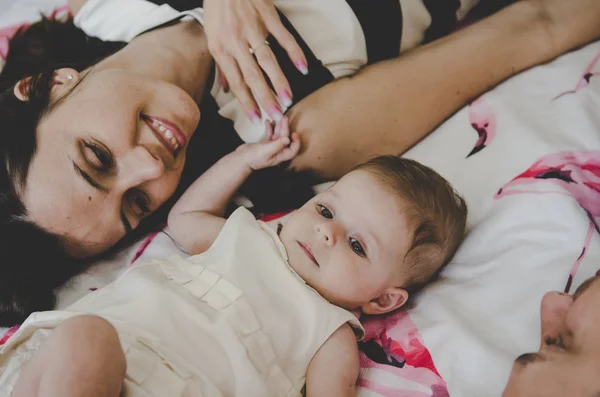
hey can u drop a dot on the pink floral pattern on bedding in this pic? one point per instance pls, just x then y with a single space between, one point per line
393 345
483 120
10 332
575 174
585 78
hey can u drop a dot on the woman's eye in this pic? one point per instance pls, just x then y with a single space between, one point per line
97 156
324 211
139 204
356 246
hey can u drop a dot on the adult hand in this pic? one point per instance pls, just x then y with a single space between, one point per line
236 31
276 147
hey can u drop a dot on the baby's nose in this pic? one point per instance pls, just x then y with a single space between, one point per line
325 233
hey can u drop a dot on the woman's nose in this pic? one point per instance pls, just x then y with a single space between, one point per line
139 166
326 233
553 312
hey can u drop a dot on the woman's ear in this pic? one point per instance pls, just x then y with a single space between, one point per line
21 89
390 299
63 80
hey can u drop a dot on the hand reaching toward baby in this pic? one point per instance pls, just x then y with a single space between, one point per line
277 146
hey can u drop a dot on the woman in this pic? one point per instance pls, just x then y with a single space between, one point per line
94 154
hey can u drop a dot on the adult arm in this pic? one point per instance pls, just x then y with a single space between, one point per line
388 107
333 371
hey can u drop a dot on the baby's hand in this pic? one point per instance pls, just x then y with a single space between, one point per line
276 147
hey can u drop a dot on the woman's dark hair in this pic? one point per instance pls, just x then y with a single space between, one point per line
33 262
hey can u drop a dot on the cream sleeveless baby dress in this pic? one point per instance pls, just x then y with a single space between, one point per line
233 321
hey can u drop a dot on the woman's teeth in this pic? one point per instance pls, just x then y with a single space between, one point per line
166 133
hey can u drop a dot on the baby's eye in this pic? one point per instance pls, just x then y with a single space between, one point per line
324 211
356 246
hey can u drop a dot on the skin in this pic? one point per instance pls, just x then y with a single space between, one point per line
568 360
359 248
58 367
110 142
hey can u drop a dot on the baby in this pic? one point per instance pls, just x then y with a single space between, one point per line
253 312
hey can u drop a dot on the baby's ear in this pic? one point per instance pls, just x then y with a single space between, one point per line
390 299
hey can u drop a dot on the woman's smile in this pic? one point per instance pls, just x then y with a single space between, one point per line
167 133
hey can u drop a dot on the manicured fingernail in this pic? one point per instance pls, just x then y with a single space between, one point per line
254 117
275 113
302 67
286 98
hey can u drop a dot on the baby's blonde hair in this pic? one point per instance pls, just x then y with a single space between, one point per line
436 213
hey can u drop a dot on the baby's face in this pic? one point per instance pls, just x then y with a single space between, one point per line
349 241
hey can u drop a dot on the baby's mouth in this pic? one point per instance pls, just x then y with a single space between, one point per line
308 253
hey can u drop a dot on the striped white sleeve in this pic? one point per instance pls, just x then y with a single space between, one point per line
122 20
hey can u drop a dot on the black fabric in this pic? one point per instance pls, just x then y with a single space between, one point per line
381 22
443 17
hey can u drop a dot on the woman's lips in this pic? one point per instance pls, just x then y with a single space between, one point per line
168 133
308 253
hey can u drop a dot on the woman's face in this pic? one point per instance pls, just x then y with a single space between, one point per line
568 361
107 156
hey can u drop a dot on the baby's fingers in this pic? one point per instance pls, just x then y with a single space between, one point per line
289 151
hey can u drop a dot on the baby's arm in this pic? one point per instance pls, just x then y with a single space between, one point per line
82 357
333 371
197 218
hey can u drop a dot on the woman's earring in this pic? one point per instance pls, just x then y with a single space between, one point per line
69 77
